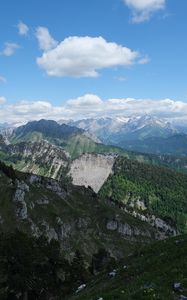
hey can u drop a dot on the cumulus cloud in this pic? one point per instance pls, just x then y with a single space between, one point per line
9 49
87 101
2 79
142 10
22 28
84 57
90 105
45 40
24 111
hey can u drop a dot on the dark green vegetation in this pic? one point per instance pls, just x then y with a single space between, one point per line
164 192
32 268
150 274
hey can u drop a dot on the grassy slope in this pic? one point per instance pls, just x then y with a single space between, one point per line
150 274
75 144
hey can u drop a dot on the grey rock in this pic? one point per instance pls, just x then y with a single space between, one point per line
177 286
19 199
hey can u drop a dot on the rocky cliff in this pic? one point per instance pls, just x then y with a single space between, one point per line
91 170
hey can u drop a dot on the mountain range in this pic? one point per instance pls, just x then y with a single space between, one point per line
147 134
110 204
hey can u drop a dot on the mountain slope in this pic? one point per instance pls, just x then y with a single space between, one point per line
40 158
72 215
72 139
149 190
173 145
151 273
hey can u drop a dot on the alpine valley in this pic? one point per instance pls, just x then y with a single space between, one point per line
85 219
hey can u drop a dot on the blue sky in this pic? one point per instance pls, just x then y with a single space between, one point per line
121 49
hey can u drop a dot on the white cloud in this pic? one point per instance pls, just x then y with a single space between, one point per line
9 49
84 57
2 99
24 111
3 79
22 28
142 10
92 106
87 101
45 40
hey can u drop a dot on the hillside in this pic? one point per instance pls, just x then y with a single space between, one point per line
73 140
173 145
148 190
72 215
41 158
151 273
47 148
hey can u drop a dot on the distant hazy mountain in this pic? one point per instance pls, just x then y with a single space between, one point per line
140 133
118 129
4 125
172 145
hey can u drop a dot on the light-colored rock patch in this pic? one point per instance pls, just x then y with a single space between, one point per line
91 170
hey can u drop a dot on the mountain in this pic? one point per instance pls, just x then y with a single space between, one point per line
74 216
145 134
119 129
4 125
40 158
89 169
73 140
47 129
52 150
62 241
172 145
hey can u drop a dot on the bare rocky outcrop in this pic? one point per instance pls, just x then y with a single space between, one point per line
19 198
91 170
156 222
39 157
126 230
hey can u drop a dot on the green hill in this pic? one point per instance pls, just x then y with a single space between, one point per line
150 190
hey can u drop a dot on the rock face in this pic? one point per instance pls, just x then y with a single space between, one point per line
154 221
91 170
19 199
40 158
125 229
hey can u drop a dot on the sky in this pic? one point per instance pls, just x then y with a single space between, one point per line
74 59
